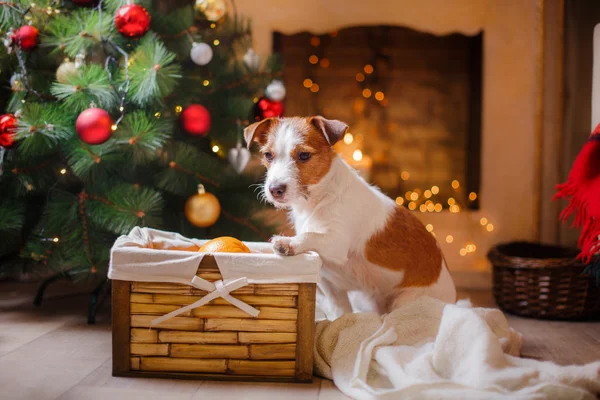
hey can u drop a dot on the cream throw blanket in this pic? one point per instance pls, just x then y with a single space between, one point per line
430 350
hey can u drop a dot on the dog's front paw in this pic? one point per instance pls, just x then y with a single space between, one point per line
282 245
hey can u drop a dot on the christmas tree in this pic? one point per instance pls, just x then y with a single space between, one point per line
117 113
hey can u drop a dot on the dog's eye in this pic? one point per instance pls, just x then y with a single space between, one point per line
268 156
304 156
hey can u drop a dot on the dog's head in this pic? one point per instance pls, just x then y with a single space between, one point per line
297 153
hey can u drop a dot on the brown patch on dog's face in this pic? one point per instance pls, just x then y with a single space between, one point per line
320 155
297 153
405 245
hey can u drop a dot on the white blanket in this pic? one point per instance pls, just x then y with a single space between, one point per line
430 350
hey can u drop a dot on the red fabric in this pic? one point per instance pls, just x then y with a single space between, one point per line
582 189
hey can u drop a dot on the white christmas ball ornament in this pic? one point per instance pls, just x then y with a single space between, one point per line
201 53
275 91
65 71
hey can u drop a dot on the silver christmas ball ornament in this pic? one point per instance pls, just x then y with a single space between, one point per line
201 53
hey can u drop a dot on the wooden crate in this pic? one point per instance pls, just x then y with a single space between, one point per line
216 341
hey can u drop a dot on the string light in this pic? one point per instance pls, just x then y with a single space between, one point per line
178 109
455 184
307 83
215 149
408 194
357 155
414 196
157 114
206 82
490 227
366 93
314 88
360 77
470 248
472 196
368 69
451 201
315 41
438 207
348 138
379 96
324 63
483 221
427 194
216 42
405 175
422 208
463 252
313 59
55 240
429 227
63 171
449 239
435 189
454 208
255 100
430 207
412 205
213 25
121 108
399 200
113 127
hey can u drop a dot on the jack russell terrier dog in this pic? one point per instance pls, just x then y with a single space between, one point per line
372 249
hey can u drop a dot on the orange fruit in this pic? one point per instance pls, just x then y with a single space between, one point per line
224 244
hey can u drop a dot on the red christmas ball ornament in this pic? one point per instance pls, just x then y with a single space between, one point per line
132 20
266 108
94 126
8 124
26 37
195 119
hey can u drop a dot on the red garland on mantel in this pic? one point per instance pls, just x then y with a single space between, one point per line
582 189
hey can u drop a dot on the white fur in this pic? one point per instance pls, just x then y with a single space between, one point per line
336 219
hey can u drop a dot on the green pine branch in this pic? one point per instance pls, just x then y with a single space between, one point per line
90 84
142 135
40 129
152 73
125 206
81 31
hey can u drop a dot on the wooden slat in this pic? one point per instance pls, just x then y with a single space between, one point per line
149 349
262 368
261 337
208 263
177 323
156 309
243 290
135 363
198 337
174 299
210 276
209 351
159 287
120 326
182 365
271 292
273 351
139 335
278 313
306 331
234 312
249 325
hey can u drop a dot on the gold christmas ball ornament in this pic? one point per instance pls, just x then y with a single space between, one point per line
202 209
211 10
66 70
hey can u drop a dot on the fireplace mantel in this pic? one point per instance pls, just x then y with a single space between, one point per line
512 113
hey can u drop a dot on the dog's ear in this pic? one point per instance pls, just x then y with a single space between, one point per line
332 129
257 132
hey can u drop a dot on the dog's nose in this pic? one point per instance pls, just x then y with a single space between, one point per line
277 191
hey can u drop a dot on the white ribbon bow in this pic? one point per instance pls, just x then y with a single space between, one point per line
216 289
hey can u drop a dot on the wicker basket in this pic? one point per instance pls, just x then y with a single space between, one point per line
541 281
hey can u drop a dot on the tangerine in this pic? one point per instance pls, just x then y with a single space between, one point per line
224 244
